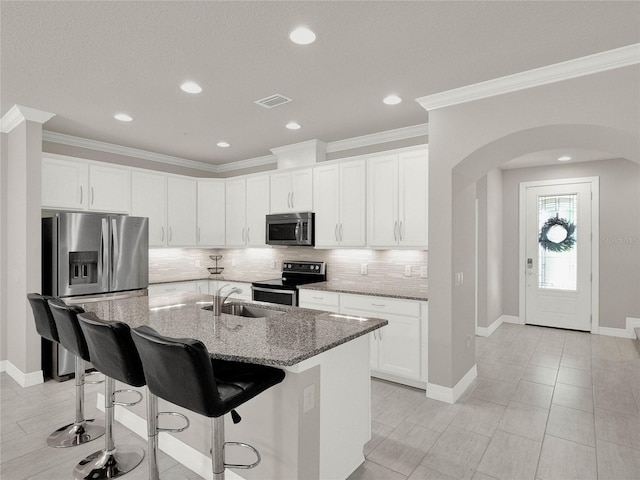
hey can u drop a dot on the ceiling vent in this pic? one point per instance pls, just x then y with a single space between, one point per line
273 101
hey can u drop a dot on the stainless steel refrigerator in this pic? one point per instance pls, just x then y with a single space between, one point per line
88 255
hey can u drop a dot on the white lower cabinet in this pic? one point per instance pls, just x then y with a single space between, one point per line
173 287
319 300
399 349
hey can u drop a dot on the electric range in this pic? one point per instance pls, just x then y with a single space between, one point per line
284 290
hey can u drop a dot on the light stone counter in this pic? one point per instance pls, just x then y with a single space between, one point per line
402 292
312 426
282 340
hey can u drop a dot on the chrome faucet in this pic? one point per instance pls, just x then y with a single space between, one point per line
219 301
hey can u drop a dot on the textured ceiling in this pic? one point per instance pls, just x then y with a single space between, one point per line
85 61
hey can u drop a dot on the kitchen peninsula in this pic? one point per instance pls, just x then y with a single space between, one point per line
313 425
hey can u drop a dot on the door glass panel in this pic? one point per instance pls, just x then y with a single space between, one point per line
557 247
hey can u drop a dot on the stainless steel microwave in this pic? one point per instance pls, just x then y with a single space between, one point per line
291 229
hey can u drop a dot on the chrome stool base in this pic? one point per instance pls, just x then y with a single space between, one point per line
75 434
103 465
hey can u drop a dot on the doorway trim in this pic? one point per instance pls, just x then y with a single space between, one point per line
595 244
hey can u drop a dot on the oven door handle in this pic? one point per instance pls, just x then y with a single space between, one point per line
273 290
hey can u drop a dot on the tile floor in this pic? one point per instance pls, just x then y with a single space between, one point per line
547 404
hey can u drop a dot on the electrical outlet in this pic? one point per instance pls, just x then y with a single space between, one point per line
407 270
458 279
364 269
423 271
309 400
197 262
273 264
233 262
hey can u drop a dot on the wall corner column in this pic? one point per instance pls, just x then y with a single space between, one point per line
20 239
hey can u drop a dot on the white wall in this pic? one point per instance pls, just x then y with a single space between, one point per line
598 112
619 233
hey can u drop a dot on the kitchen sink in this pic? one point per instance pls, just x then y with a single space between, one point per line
250 311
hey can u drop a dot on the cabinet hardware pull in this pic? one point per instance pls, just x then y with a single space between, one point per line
341 237
289 199
336 232
292 204
243 241
92 196
400 230
395 230
248 234
80 194
378 305
318 298
198 234
170 234
162 239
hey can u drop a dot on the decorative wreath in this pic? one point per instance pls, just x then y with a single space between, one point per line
562 235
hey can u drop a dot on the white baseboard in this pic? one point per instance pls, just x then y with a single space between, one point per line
486 331
188 456
512 319
451 395
3 365
628 332
24 379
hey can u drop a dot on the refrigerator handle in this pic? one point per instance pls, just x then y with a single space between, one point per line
104 253
116 247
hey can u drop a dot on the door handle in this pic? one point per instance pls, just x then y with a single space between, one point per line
116 247
248 234
198 234
400 234
162 239
395 230
243 240
170 235
92 196
341 237
288 199
292 202
335 232
80 194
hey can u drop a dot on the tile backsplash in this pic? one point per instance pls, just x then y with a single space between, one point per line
385 267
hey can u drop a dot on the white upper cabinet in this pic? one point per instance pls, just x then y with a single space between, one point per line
80 185
65 184
181 211
149 199
235 203
109 189
397 200
292 191
257 208
340 199
211 213
247 204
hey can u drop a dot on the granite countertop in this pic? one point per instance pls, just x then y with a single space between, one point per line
223 278
281 340
406 293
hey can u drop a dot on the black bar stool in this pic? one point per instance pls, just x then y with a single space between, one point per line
182 372
80 431
114 354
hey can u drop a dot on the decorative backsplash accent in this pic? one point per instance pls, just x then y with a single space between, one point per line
385 267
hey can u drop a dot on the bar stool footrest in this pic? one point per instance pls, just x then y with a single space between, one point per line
173 430
247 466
127 390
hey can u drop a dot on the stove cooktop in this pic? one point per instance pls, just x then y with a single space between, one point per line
296 273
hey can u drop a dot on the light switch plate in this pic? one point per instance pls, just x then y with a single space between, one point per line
273 264
233 262
423 272
364 269
407 270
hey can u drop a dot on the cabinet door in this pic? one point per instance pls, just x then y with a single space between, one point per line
110 189
64 184
413 192
352 231
181 211
280 192
399 346
302 190
327 201
235 213
257 210
382 201
211 212
149 199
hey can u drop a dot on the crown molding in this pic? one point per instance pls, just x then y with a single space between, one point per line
579 67
126 151
19 113
380 137
249 163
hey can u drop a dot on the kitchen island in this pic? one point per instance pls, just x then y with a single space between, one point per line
313 425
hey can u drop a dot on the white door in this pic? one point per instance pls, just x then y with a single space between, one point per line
211 212
109 189
64 184
382 201
351 230
302 190
235 217
327 201
281 192
413 199
181 211
558 243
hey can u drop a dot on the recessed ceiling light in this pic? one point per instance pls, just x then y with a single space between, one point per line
392 100
293 126
223 144
302 36
123 117
190 87
564 158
